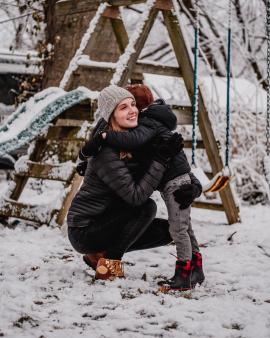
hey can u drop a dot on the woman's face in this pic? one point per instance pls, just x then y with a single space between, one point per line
125 115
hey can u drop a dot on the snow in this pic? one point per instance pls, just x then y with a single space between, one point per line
85 61
245 95
47 291
63 170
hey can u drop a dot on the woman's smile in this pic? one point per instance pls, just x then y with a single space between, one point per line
132 117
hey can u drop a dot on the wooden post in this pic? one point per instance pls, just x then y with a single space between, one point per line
74 187
186 68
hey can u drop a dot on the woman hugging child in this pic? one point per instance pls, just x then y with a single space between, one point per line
179 187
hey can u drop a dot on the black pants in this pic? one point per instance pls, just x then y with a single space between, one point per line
120 231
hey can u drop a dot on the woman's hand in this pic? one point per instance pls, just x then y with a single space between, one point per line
166 149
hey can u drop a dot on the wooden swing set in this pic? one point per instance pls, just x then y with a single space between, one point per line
62 138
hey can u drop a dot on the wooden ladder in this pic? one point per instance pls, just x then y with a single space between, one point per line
61 137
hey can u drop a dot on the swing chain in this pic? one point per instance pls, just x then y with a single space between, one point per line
268 78
227 149
195 85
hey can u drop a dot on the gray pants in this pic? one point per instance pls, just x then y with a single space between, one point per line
179 220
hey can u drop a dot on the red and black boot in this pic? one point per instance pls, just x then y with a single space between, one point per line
197 276
181 281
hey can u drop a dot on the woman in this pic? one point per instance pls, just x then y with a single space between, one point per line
112 214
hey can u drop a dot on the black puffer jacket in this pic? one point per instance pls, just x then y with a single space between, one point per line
108 183
157 120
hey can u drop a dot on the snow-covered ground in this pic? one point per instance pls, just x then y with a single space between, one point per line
47 290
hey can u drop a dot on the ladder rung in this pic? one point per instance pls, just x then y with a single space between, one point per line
64 133
140 67
156 68
35 213
208 205
62 172
125 2
183 114
188 144
67 7
69 123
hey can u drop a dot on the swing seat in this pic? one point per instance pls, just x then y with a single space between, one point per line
216 184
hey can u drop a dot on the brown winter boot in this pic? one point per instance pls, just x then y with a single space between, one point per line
92 259
109 269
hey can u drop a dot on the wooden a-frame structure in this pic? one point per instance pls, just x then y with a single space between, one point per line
62 137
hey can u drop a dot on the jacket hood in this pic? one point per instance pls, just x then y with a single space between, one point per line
161 112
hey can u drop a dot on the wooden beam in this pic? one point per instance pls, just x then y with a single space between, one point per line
47 171
34 213
188 144
164 5
155 68
138 46
70 7
185 64
125 2
120 32
122 41
69 123
208 205
140 67
183 114
74 187
64 133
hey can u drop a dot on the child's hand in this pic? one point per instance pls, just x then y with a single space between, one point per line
185 195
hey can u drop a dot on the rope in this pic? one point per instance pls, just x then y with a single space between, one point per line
227 150
268 78
195 85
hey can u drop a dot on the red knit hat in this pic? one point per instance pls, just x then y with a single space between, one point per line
142 94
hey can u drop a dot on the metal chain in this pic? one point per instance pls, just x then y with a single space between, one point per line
228 113
195 85
268 78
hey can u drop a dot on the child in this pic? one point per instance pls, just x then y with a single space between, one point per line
178 188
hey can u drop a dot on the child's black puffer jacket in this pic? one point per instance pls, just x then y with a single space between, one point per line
156 120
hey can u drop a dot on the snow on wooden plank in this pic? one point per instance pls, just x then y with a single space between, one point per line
147 66
62 172
34 213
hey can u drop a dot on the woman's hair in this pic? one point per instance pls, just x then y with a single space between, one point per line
123 154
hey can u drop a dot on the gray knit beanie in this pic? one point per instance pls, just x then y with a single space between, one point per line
109 98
